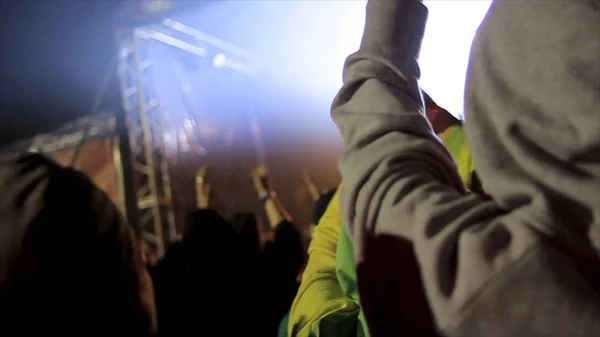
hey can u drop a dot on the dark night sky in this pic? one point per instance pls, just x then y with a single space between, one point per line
52 57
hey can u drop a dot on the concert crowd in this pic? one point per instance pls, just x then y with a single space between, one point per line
487 226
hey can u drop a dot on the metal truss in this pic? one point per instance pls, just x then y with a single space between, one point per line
147 125
146 135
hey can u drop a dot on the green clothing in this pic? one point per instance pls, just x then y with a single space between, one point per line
346 274
349 320
282 331
340 323
455 141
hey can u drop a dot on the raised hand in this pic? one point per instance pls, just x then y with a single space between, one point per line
312 188
203 189
260 178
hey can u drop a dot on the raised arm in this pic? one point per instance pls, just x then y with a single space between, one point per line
487 270
203 189
276 212
399 180
392 159
310 185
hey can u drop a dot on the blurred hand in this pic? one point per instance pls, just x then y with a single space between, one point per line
260 178
310 185
205 192
306 176
203 189
201 175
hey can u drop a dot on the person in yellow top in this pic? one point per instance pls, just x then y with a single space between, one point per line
327 302
320 293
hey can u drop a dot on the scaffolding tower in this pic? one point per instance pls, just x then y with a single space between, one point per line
145 121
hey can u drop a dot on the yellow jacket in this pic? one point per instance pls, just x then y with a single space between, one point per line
320 293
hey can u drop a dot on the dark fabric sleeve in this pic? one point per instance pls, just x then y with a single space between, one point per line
391 290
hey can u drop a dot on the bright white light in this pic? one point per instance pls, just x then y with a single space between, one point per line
186 87
315 54
451 26
312 55
170 143
219 60
187 124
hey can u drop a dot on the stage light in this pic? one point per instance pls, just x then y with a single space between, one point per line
219 60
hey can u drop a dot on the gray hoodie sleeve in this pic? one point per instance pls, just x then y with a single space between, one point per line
474 257
390 149
395 170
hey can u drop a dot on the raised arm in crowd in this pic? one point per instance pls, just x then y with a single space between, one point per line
276 213
525 261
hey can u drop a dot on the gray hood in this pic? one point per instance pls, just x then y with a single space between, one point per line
533 115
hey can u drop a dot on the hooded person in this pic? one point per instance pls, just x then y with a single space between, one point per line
525 261
69 264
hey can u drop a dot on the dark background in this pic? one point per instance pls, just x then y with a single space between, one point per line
52 54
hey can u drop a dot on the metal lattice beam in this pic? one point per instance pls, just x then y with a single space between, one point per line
146 135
